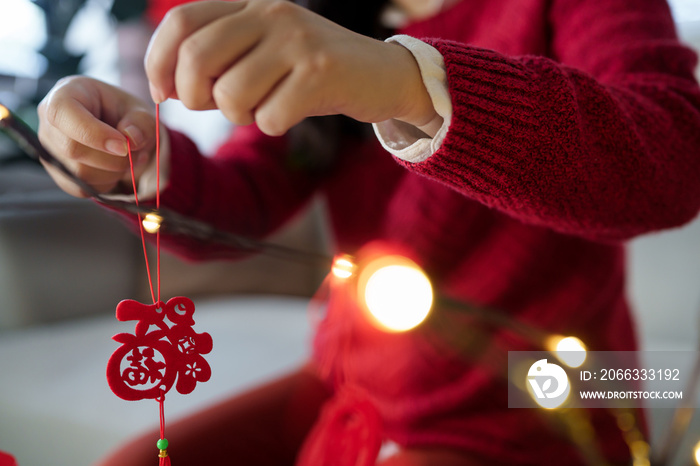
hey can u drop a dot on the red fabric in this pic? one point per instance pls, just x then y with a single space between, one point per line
7 460
576 126
348 433
262 427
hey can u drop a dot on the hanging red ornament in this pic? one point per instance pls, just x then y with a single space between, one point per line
149 361
164 347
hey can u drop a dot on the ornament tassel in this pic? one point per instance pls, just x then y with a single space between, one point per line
163 458
162 444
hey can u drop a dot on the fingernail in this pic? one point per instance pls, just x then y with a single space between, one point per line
155 94
136 135
116 147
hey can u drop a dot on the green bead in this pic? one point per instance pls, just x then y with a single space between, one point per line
162 444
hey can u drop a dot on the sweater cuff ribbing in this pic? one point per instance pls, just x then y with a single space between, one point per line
494 124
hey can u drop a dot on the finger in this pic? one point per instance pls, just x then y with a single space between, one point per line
76 122
179 23
208 52
62 181
243 87
297 96
139 125
73 151
101 181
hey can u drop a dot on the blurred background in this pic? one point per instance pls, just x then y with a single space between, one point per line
65 263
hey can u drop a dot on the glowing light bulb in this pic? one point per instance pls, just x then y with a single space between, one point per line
4 112
152 222
640 451
396 292
343 267
696 453
626 421
570 350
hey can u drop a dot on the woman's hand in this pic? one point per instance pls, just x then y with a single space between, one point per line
275 63
84 123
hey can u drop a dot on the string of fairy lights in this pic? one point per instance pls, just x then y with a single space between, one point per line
389 282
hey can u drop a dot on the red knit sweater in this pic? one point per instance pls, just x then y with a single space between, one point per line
576 126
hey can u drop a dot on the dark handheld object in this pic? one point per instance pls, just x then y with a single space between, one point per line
26 139
174 223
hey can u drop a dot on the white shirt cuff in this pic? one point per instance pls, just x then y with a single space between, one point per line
408 142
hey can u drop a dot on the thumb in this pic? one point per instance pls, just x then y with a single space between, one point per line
139 126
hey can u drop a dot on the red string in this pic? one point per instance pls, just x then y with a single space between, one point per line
143 238
158 192
158 156
163 461
161 403
136 199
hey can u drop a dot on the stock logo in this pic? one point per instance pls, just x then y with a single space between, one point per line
548 384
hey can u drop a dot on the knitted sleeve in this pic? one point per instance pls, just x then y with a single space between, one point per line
250 187
601 141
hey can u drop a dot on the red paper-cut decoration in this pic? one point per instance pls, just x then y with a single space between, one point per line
148 362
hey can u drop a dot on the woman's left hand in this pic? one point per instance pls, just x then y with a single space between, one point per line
275 63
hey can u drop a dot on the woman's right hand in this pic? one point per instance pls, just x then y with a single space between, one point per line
84 123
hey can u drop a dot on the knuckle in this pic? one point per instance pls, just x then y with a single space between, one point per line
279 9
70 85
52 110
192 101
178 18
43 130
48 139
62 181
82 134
71 150
53 105
270 124
191 75
228 101
42 133
145 120
190 53
223 95
41 111
64 80
300 36
68 80
152 64
320 63
83 172
68 187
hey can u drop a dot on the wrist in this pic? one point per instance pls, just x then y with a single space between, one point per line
418 141
415 104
